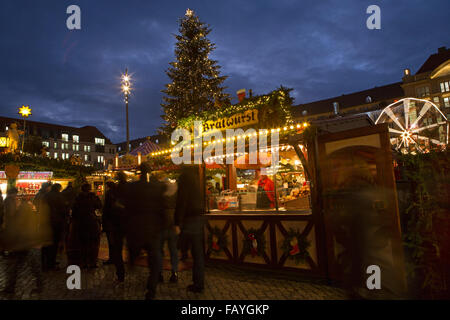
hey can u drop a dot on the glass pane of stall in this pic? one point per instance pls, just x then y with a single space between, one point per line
260 187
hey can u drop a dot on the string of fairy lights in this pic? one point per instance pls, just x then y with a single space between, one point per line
286 129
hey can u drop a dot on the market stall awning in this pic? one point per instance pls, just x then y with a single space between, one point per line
146 148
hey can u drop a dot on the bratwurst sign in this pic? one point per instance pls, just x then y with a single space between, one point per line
235 121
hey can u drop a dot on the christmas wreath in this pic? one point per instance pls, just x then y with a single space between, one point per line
296 246
217 240
254 243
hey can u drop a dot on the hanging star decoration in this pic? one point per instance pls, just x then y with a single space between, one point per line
189 12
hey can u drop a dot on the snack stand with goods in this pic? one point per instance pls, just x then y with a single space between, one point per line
269 213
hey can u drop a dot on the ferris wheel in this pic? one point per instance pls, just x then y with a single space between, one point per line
415 125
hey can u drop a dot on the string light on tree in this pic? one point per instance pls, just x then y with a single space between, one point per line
196 84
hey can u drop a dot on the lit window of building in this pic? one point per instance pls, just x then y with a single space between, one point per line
75 147
436 101
55 145
55 155
447 102
423 91
100 141
445 86
100 159
87 148
46 144
65 137
76 138
86 157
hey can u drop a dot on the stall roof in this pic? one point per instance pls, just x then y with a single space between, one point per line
146 148
342 123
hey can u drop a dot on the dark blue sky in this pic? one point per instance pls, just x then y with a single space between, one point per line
320 48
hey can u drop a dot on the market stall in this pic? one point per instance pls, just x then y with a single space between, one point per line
263 186
28 183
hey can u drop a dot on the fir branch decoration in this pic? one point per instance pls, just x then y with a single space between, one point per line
254 242
296 246
217 240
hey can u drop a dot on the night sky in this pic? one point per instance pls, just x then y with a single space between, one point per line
320 48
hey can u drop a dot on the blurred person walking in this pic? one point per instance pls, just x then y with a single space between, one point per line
113 220
169 233
2 212
107 217
20 240
146 219
56 206
190 221
85 228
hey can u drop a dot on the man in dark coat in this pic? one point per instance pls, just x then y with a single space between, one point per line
189 219
86 226
56 206
146 219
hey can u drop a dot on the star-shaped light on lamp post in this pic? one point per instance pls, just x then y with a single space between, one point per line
126 89
25 112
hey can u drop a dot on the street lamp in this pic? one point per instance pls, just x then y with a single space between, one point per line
25 112
126 89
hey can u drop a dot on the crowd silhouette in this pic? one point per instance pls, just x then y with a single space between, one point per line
143 214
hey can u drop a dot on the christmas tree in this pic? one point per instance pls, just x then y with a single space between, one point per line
196 82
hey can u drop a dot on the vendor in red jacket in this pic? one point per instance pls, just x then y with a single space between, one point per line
266 193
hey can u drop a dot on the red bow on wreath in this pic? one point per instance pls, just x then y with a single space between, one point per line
254 247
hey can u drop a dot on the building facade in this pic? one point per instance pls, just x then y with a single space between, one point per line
87 143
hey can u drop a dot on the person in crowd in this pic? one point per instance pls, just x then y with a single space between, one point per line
19 239
56 207
69 194
189 220
119 223
169 233
145 209
218 188
1 210
266 193
85 230
108 217
113 220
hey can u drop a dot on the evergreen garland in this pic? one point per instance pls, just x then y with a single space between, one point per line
296 246
221 242
274 110
254 234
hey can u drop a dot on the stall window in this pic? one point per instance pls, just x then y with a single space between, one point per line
257 187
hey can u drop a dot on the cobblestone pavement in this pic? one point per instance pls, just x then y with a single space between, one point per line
223 282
